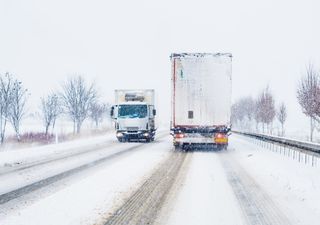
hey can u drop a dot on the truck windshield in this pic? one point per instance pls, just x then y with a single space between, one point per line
132 111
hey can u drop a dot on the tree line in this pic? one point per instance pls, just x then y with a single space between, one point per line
258 113
262 111
77 99
308 95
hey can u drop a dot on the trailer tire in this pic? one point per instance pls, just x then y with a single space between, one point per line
177 147
121 140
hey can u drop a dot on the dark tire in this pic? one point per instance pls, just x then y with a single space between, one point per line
222 147
122 140
177 147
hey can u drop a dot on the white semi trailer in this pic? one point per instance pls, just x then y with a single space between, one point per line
134 115
201 99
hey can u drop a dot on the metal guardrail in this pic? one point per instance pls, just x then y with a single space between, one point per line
307 146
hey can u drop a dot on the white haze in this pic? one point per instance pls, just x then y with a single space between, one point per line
126 44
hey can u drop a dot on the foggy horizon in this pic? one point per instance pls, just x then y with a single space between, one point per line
126 45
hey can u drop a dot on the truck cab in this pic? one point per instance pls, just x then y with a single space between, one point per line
134 115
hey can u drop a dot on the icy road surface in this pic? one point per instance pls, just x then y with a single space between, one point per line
105 182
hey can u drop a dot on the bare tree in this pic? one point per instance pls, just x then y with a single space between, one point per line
234 114
249 107
266 109
282 116
77 98
256 115
6 86
237 113
308 95
97 112
17 107
242 112
50 108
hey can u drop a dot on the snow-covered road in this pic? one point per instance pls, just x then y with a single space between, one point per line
245 185
137 183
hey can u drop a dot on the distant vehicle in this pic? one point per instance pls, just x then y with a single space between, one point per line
201 99
134 115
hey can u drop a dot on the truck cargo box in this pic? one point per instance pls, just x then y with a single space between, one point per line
201 87
201 98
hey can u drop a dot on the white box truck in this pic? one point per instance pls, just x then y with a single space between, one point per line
134 115
201 99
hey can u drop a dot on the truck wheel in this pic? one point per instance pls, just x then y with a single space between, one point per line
222 147
121 140
177 147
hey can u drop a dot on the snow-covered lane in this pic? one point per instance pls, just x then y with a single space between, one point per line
294 187
11 160
203 197
244 185
80 155
91 197
21 178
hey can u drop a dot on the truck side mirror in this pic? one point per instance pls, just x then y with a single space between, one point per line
112 111
154 112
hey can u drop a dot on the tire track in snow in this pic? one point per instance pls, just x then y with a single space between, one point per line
4 198
257 206
142 207
68 155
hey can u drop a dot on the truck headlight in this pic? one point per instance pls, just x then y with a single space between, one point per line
146 134
119 134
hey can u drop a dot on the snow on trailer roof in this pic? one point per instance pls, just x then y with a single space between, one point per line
133 103
202 55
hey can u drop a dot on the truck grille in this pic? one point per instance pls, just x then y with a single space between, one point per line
132 128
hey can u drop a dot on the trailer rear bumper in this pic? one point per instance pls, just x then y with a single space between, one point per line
200 141
187 140
194 140
200 145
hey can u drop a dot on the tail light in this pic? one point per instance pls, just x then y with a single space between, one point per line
219 135
180 135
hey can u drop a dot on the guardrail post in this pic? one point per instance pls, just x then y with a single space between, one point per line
294 154
312 160
305 158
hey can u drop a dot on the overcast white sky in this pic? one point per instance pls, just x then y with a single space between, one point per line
126 44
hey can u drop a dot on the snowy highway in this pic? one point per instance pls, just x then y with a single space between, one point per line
100 181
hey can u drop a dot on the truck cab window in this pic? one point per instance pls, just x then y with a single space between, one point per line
133 111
